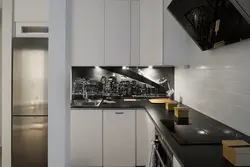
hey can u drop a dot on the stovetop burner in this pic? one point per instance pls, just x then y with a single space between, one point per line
201 134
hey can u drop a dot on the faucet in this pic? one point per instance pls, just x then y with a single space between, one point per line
85 95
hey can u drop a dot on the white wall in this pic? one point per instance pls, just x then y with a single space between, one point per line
218 84
6 81
59 94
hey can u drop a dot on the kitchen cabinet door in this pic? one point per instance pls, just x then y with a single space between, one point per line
135 33
151 137
118 138
117 32
151 32
31 10
177 43
87 32
141 138
86 138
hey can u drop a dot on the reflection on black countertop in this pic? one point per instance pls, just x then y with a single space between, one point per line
187 155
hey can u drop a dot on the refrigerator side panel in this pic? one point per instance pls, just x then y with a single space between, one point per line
30 77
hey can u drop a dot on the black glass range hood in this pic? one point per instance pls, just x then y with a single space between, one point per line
213 23
243 6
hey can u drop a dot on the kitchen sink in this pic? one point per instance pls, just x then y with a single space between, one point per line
87 103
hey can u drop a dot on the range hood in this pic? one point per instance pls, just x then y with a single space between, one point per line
243 6
213 23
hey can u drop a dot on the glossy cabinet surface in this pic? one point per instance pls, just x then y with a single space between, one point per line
105 32
86 138
117 32
177 43
112 138
119 138
151 32
31 10
141 138
135 33
87 32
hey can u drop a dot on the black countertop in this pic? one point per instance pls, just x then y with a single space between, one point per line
187 155
119 104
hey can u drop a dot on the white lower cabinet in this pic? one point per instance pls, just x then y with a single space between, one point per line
86 138
119 138
110 138
141 138
150 138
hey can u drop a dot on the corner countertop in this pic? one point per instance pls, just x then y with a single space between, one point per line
187 155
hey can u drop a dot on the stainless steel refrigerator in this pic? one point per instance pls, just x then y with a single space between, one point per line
29 102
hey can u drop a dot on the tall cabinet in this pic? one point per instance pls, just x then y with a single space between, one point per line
87 32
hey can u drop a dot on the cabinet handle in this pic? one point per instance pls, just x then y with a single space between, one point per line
118 112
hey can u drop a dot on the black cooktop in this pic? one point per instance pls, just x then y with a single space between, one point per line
201 134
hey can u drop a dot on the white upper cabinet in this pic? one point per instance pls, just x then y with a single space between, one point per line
177 43
87 32
151 32
162 40
105 32
135 33
31 10
117 32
